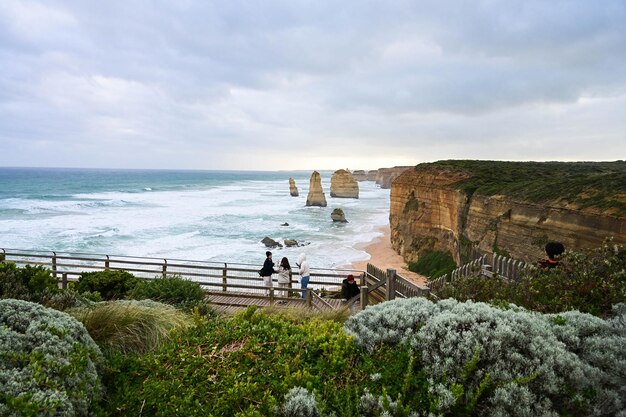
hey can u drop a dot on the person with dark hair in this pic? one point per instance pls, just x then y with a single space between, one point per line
349 288
284 278
553 250
267 271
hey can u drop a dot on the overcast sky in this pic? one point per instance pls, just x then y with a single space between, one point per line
292 84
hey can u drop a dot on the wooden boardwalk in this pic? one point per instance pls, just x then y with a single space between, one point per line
231 303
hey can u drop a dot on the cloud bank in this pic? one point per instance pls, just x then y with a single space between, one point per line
309 85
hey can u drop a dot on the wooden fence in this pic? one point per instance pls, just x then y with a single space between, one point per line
234 280
486 265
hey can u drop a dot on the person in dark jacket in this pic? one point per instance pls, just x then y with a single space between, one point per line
553 250
267 271
349 288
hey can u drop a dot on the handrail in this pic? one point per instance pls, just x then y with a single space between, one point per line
375 283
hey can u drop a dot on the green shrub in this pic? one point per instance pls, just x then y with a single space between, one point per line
590 281
47 363
29 283
242 366
433 264
111 284
128 326
174 290
504 362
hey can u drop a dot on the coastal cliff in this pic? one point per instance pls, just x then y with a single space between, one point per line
513 208
386 176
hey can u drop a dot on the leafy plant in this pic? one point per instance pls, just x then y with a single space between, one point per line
29 283
174 290
47 363
433 264
590 281
504 361
111 284
243 365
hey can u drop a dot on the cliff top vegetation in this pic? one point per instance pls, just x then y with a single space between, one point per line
584 185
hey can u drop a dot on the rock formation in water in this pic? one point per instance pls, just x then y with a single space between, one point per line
338 216
359 175
371 175
293 190
343 185
386 176
438 207
316 195
270 243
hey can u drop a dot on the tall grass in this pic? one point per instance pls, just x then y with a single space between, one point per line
128 326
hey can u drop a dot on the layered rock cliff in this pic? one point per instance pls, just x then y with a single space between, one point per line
343 185
316 195
386 176
447 208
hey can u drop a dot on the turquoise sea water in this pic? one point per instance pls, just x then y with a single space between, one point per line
201 215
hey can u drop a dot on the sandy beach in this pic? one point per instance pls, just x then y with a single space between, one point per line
383 256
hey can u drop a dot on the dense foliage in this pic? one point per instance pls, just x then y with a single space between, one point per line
244 365
174 290
30 283
110 284
585 184
590 281
47 363
481 360
433 264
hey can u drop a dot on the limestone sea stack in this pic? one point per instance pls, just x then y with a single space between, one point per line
293 190
343 185
316 195
359 175
371 175
338 216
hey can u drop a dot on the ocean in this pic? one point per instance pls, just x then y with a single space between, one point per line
176 214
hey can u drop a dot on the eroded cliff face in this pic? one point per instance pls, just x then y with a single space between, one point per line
428 213
386 176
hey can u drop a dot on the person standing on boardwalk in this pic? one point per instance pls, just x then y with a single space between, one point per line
553 250
305 273
267 271
284 277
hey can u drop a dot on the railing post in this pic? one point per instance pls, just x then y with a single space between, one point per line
309 298
289 285
64 281
272 296
225 277
364 296
164 273
54 265
391 284
106 263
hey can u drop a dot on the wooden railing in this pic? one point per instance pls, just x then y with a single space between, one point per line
211 275
388 285
487 266
220 277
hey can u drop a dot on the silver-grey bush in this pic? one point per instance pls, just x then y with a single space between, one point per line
47 362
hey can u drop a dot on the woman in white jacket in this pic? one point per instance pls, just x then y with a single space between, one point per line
305 273
284 277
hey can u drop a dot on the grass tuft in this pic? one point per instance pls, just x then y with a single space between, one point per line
128 326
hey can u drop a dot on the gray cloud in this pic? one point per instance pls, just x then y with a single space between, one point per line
195 84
